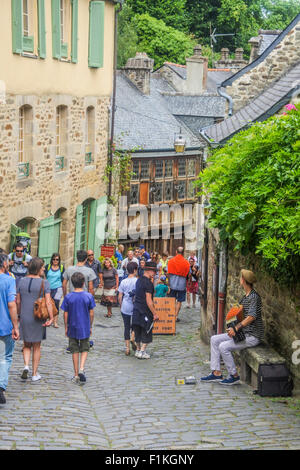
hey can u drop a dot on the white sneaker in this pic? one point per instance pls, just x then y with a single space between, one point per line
138 354
35 378
145 355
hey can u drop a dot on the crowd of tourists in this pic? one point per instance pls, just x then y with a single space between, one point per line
32 294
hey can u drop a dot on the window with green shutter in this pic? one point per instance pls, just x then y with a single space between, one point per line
27 15
96 34
65 25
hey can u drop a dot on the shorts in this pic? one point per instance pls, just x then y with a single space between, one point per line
79 345
180 295
192 287
141 335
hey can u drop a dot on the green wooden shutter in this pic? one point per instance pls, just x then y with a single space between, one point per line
14 230
96 34
74 48
92 225
49 232
42 29
101 218
78 230
17 26
56 37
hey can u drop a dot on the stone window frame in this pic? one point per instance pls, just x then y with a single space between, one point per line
90 133
61 138
25 140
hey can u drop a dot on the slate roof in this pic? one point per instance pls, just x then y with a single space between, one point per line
263 55
266 40
264 106
145 122
204 106
214 76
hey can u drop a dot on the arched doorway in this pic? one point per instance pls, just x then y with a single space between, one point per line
90 225
27 225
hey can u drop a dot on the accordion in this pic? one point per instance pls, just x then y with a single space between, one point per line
233 317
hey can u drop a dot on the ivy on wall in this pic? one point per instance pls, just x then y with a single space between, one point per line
254 190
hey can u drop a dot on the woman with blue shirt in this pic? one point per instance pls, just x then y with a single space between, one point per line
54 275
126 297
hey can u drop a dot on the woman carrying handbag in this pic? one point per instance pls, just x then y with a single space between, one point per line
32 330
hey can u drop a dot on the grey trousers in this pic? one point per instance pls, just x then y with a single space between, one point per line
222 345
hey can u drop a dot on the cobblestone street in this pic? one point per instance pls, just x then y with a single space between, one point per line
132 404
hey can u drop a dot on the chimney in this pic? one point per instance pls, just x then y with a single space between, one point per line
196 66
138 70
224 55
254 43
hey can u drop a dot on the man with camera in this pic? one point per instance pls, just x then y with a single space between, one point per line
18 262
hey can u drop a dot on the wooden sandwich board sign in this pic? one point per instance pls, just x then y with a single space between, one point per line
107 251
165 308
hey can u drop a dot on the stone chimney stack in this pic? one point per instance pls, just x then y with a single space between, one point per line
254 43
233 64
197 67
138 70
224 54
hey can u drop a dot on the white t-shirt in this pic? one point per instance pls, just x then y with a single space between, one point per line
127 286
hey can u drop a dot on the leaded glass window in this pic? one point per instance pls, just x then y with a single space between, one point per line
158 195
134 194
135 170
181 189
191 167
169 191
159 169
191 189
144 170
168 168
181 167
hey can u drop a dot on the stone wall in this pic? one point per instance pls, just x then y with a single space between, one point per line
280 60
281 309
46 190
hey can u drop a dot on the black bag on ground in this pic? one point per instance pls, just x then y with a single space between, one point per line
274 380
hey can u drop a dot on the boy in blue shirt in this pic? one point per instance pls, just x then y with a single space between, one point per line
78 307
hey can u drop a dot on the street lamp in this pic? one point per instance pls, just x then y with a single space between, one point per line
179 143
206 207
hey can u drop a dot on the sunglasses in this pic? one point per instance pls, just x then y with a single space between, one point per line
55 259
19 251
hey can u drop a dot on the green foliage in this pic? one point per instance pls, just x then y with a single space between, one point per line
253 182
120 171
113 260
242 17
161 42
127 37
172 12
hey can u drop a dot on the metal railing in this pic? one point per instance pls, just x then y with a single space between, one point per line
88 158
23 170
59 163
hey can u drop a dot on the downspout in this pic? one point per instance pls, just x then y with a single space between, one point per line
228 98
223 269
113 104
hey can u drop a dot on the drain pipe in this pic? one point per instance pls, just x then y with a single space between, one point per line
223 271
228 98
113 103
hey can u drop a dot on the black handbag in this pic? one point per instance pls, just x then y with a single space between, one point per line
274 380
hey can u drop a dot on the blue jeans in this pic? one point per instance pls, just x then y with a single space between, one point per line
7 346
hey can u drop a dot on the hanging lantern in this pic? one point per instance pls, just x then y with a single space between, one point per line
179 143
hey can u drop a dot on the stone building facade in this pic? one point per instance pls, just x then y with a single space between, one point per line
267 67
258 91
54 124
